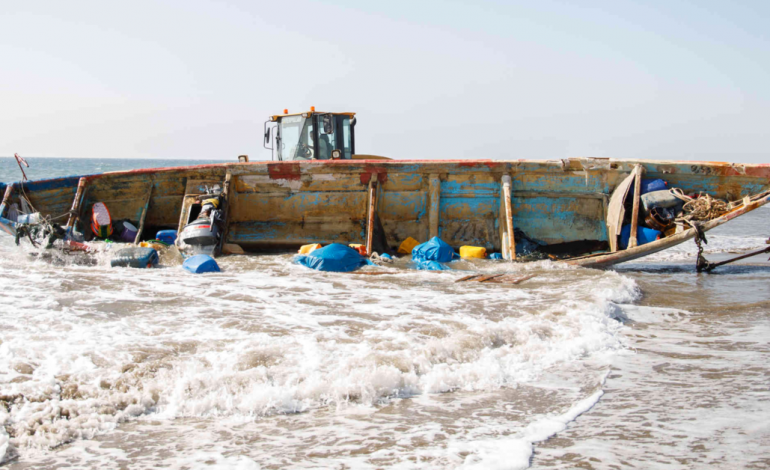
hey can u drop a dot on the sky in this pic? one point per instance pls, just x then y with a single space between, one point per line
430 80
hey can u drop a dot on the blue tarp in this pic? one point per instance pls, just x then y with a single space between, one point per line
424 265
434 249
649 185
334 257
428 256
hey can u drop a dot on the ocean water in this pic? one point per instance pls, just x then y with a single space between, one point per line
270 365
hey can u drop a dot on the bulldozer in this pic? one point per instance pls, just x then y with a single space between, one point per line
313 135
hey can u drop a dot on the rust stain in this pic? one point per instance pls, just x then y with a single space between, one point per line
370 170
477 164
760 171
284 171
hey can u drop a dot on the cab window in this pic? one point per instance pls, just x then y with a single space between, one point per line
327 136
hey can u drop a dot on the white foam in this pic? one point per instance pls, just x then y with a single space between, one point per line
515 453
266 337
4 439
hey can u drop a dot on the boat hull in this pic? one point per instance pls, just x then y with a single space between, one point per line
562 204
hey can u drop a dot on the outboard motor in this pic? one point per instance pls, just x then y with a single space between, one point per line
202 234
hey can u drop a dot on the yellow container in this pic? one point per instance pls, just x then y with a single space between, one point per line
408 245
155 246
473 252
305 249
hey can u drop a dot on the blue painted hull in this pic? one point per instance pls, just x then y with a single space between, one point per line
561 204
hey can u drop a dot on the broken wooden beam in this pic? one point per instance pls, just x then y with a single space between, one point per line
510 248
6 199
496 278
75 210
144 214
632 242
226 212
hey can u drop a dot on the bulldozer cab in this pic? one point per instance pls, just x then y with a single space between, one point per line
311 136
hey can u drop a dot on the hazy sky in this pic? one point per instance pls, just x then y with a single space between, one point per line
479 79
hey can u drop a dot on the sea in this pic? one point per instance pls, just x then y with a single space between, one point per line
270 365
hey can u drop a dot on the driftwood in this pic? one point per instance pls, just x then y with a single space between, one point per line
496 278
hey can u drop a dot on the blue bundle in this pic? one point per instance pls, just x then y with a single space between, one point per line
334 257
430 254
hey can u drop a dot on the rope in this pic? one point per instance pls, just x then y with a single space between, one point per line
379 260
700 209
26 198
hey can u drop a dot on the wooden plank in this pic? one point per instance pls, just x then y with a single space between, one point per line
434 195
488 278
616 211
75 210
144 214
370 215
228 186
558 194
495 278
511 241
630 254
184 214
6 198
632 242
521 279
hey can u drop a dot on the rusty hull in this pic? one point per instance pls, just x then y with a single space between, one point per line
286 204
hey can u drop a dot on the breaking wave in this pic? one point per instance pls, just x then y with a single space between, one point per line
86 348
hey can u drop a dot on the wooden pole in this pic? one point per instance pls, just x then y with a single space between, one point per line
6 199
226 213
632 242
370 218
509 217
75 210
434 195
144 214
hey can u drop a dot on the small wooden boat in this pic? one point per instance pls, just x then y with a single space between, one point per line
320 191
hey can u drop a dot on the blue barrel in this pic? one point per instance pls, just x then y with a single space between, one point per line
135 257
643 235
166 236
200 264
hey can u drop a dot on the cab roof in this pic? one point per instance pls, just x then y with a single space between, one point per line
308 114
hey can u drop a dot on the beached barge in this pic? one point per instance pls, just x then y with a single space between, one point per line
568 205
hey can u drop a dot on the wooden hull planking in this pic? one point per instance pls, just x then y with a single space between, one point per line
282 204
